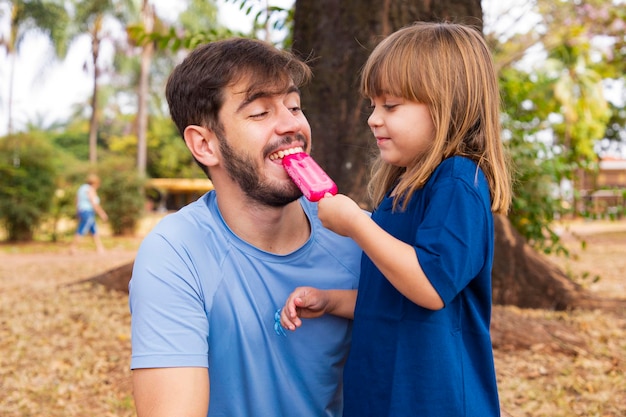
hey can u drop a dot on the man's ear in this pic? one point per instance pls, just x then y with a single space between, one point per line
202 143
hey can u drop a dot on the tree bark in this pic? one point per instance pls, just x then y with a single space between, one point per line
336 36
116 279
94 119
147 52
525 278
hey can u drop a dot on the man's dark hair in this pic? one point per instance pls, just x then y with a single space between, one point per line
195 89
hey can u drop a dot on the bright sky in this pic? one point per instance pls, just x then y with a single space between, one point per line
47 91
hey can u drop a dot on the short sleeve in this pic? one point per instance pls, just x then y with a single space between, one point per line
169 325
452 240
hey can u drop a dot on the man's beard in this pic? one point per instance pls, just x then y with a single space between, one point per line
243 171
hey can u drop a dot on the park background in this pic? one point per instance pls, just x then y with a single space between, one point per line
65 343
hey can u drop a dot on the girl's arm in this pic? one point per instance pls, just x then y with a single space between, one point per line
309 302
395 259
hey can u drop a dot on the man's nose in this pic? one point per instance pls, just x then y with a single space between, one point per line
288 121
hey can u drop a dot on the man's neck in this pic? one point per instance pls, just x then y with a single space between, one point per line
278 230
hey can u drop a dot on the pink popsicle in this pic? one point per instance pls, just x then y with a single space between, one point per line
309 176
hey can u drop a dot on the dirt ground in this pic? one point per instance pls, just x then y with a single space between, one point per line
65 347
579 368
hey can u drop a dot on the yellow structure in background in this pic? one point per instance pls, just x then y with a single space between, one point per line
174 193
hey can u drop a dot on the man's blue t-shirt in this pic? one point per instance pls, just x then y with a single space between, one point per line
409 361
200 296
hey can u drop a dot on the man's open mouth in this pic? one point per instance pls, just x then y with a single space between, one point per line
283 153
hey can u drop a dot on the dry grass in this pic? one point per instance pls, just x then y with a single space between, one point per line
587 380
572 381
64 350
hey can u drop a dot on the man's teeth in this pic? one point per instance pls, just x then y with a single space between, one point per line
281 154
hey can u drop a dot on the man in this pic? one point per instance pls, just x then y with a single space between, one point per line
208 280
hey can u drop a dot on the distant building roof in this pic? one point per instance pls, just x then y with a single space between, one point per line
611 163
181 184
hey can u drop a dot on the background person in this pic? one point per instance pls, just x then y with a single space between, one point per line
87 206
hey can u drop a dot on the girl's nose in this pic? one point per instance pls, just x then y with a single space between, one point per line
374 120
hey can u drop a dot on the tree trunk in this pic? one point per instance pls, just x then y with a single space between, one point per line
516 269
147 51
116 279
526 278
337 36
338 41
94 120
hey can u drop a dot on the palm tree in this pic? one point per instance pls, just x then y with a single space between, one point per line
147 52
91 16
199 16
47 17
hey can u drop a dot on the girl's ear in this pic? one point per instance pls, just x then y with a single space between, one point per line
202 143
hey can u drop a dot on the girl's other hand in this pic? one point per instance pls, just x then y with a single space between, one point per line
303 302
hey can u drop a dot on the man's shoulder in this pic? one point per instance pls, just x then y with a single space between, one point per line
189 225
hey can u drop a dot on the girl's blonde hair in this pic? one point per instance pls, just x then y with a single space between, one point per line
449 68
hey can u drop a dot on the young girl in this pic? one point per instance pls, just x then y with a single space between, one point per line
421 344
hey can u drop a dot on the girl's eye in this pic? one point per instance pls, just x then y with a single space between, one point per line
390 106
295 109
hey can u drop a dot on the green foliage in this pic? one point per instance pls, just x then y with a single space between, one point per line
73 141
198 16
196 25
535 201
173 40
121 193
168 156
27 186
266 18
584 109
62 206
615 132
70 174
555 113
47 17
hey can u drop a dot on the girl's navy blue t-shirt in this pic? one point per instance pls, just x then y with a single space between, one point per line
406 360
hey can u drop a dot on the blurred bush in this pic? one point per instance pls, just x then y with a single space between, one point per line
27 183
121 193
